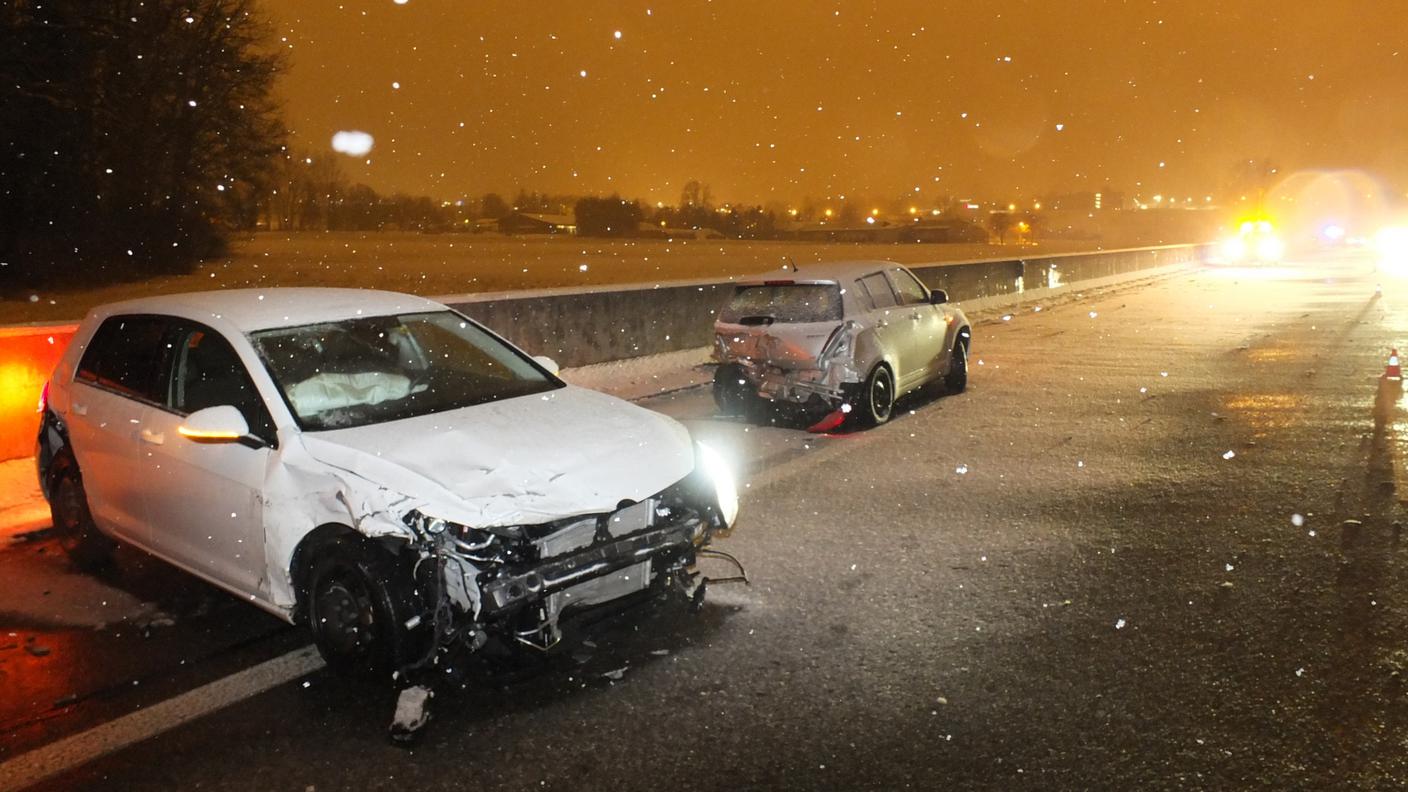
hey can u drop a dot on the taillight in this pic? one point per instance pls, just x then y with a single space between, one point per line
43 399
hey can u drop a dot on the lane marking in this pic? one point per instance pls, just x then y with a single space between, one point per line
70 752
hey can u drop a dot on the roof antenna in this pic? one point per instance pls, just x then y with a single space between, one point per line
790 261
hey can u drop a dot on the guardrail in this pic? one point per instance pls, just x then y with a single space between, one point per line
582 326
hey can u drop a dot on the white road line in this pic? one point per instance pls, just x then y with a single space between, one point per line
70 752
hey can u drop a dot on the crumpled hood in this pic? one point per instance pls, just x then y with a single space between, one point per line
520 461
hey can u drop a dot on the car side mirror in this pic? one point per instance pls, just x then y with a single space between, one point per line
220 424
938 297
547 363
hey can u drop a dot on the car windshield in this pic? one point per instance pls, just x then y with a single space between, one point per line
367 370
791 302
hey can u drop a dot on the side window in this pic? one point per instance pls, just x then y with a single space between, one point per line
126 355
206 372
911 291
879 290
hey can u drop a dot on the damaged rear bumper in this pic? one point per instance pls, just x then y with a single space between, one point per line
801 386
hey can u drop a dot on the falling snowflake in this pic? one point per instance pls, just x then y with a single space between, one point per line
1297 520
1229 454
1119 624
961 469
1093 314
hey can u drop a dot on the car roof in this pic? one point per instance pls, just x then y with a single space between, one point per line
822 272
248 310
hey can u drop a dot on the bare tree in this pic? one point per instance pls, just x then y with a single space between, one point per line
146 126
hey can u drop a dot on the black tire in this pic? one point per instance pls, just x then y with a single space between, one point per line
956 380
876 400
732 393
357 608
87 548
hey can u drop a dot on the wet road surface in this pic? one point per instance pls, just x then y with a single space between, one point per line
1155 545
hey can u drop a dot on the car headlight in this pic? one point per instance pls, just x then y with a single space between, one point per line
1234 249
477 543
1270 249
718 472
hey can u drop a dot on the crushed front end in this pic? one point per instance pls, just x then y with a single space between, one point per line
516 584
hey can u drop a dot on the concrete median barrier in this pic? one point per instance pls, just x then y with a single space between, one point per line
586 326
580 327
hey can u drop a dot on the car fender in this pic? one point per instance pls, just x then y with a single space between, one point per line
872 350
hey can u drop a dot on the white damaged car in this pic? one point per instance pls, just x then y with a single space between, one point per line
375 465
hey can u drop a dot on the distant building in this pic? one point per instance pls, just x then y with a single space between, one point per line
526 223
918 231
645 230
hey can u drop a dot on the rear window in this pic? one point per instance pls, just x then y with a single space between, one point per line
126 355
800 302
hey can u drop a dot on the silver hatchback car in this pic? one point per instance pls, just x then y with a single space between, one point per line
849 337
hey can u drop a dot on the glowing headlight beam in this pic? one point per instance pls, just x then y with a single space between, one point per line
725 485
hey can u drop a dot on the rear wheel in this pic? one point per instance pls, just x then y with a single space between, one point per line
732 393
956 380
357 610
86 547
876 399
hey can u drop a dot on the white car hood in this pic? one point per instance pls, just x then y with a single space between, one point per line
525 460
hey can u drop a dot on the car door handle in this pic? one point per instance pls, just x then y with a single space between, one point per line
882 323
914 317
80 409
155 438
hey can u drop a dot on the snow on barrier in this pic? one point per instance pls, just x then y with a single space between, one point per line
582 326
579 327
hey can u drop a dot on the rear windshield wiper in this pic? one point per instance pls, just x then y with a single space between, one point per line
756 320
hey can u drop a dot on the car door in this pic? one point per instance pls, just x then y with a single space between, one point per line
203 499
926 328
886 318
113 386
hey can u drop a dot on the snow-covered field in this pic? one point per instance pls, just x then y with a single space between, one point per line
434 264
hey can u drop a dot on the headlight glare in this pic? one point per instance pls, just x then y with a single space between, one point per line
725 485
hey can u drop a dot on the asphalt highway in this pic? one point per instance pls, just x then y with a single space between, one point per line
1156 544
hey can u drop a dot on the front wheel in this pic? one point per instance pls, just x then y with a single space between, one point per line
356 612
87 548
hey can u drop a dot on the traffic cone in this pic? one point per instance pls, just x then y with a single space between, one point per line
1392 370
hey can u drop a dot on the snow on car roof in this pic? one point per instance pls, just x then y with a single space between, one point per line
260 309
822 272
